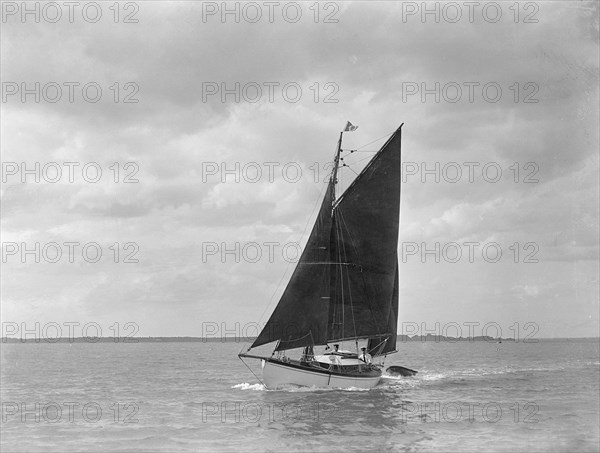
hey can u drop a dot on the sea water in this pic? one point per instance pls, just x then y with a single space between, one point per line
193 396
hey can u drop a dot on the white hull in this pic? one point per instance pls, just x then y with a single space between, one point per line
278 375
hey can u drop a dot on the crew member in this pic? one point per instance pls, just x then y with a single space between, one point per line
365 356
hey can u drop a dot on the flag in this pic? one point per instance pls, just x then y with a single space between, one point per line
350 127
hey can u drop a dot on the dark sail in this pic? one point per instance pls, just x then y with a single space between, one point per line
387 343
300 318
364 242
345 285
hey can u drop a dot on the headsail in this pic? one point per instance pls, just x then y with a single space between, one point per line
346 282
300 318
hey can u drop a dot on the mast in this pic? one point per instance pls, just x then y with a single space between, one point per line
336 164
345 284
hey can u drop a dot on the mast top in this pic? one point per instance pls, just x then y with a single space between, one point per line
336 163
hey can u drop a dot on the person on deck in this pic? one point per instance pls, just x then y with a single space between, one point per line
365 356
334 361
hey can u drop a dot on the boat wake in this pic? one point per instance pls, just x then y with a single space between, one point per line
435 376
246 386
304 389
398 381
295 388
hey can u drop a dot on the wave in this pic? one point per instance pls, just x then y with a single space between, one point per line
246 386
295 389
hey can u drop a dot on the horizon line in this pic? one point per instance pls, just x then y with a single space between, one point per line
130 339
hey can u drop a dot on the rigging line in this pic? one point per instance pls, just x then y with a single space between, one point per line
360 160
309 334
377 139
366 288
366 168
259 380
346 165
379 345
349 285
354 163
360 337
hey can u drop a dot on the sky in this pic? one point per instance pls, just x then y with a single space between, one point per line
162 161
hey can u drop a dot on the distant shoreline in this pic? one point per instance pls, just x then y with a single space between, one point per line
400 339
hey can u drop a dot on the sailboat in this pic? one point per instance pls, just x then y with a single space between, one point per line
344 288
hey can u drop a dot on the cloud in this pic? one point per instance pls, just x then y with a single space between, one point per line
186 148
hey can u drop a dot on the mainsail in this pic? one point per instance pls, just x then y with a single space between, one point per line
345 285
387 343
